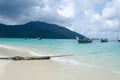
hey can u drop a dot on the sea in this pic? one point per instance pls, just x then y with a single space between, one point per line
96 54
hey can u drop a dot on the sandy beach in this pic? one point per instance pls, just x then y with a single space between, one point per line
48 69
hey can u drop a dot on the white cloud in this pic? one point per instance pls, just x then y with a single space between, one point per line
96 18
112 9
102 23
66 9
111 24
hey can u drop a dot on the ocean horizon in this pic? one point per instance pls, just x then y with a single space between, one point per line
96 54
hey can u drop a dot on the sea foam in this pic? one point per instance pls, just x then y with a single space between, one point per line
8 47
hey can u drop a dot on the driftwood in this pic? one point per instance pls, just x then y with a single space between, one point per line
31 58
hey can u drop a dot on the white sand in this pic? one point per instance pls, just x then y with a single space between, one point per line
48 70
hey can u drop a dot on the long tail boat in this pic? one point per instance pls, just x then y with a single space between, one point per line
104 40
84 40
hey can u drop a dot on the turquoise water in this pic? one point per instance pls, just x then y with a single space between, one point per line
95 54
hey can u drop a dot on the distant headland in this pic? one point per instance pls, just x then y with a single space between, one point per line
36 29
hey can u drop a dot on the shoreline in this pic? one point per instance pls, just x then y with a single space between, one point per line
11 51
48 69
18 52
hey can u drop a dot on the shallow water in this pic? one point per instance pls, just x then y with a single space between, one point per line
95 54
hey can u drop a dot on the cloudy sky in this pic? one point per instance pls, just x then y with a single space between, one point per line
93 18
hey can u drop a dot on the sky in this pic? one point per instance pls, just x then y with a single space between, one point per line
92 18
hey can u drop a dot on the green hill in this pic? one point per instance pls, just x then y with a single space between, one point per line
37 29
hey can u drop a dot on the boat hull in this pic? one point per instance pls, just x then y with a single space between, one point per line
85 41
